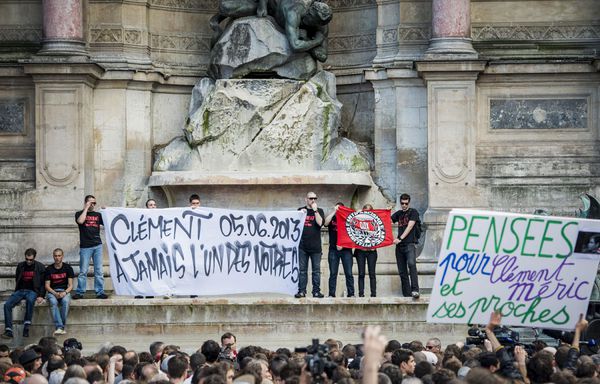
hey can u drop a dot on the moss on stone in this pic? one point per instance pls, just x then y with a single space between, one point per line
326 134
205 118
358 163
319 90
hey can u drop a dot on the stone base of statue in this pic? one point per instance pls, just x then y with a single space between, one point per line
263 125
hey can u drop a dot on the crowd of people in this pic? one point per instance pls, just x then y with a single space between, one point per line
375 361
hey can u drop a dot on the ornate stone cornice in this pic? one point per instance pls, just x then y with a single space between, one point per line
180 42
187 5
390 35
352 4
112 34
347 43
490 32
21 33
421 32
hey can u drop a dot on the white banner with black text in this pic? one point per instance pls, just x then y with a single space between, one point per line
202 251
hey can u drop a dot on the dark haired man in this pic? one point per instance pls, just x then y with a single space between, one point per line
194 201
90 247
177 369
406 251
211 350
29 286
310 247
59 284
405 360
336 254
228 340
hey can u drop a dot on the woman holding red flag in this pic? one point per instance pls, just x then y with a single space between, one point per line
366 257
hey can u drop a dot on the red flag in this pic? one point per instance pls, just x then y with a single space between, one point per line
364 229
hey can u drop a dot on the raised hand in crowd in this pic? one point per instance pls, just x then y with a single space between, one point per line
521 359
374 345
580 326
507 368
495 320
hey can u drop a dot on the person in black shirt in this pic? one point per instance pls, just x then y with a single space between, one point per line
29 286
90 247
406 252
336 254
310 247
366 258
59 284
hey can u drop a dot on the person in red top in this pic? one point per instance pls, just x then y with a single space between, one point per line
59 284
29 286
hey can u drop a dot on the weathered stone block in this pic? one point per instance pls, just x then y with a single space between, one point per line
258 45
264 125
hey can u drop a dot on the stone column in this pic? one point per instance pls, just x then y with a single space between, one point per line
388 18
451 29
384 139
63 28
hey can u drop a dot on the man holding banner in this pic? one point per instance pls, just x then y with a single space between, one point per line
365 231
406 250
310 247
337 253
184 251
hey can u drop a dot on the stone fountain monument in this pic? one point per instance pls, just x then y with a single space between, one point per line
263 128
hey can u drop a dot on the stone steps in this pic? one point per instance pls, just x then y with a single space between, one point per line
388 282
271 321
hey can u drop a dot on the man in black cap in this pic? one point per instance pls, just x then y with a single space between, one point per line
29 286
30 360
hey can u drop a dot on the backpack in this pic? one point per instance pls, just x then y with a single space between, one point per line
418 228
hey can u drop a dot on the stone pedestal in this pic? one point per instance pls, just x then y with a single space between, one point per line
451 123
63 28
64 133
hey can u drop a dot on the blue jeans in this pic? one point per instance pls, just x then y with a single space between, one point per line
334 257
366 259
59 316
315 261
406 260
22 294
84 264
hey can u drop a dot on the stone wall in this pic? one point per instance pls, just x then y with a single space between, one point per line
71 125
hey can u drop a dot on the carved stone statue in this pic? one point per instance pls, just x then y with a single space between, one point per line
304 21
